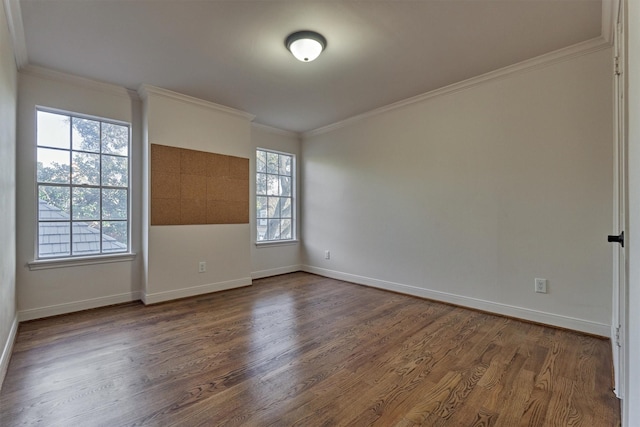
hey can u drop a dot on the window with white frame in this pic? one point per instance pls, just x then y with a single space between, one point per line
82 185
275 189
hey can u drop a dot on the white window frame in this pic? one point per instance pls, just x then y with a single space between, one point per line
260 221
42 262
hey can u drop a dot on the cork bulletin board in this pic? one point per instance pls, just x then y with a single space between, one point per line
197 187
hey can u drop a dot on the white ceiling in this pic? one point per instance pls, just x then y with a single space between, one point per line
232 52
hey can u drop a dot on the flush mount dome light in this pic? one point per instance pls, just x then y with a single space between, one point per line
305 45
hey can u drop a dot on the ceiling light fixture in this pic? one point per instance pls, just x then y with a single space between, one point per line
305 45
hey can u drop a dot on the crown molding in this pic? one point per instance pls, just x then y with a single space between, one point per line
545 60
59 76
16 30
276 131
145 90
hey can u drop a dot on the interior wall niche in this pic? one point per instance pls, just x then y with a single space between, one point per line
197 187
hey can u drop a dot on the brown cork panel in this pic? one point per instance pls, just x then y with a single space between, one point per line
224 212
165 186
238 168
193 211
216 213
237 212
193 187
218 165
193 162
165 159
165 211
196 187
216 188
238 190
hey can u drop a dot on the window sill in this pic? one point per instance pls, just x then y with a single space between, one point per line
277 243
43 264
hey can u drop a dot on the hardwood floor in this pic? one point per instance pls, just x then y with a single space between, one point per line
304 350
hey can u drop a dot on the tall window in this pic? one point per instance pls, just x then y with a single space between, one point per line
275 188
83 185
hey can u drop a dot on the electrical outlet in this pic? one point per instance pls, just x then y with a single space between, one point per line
541 286
202 267
327 255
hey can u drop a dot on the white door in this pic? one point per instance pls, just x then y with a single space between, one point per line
620 210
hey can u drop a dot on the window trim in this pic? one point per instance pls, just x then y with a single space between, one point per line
39 262
266 243
294 201
47 263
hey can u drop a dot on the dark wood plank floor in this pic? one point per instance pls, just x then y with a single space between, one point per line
304 350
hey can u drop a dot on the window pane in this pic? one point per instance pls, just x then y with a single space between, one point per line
115 139
285 209
285 186
86 203
114 204
86 238
53 130
85 135
285 229
273 210
261 207
272 163
53 166
53 202
285 165
114 236
53 239
115 171
261 223
261 184
273 187
273 230
86 168
261 161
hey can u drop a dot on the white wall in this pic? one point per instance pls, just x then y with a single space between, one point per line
59 290
631 409
468 196
8 96
270 260
174 252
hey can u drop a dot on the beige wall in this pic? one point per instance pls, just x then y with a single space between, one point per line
469 196
269 260
174 252
59 290
8 95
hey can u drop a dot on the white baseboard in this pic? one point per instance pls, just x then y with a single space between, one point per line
7 350
157 297
276 271
561 321
54 310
